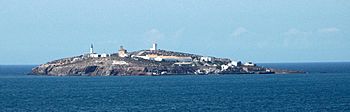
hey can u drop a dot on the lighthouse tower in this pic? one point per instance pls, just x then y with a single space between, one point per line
154 47
91 49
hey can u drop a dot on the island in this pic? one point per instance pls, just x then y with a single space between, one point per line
150 62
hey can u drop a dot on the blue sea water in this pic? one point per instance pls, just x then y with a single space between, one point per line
326 87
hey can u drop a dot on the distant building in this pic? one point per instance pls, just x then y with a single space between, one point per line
236 63
154 47
156 57
169 58
91 49
184 59
122 52
249 64
184 64
92 53
225 67
104 55
120 63
95 55
231 65
206 59
143 57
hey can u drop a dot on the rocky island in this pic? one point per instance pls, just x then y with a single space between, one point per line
148 62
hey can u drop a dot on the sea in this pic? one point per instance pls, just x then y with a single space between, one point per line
325 87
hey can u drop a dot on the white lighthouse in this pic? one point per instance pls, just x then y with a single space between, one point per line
91 49
154 47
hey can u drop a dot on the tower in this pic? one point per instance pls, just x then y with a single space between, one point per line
122 52
91 49
154 47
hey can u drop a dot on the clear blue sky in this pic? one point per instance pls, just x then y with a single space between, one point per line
37 31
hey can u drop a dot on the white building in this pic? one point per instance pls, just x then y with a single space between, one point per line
94 55
120 63
172 58
206 59
154 47
184 64
236 63
231 65
158 59
184 59
249 64
143 57
225 67
104 55
166 58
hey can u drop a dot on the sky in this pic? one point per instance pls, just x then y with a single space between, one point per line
262 31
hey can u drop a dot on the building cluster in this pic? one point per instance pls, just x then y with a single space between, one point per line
123 53
95 55
157 57
237 64
206 59
180 60
231 65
